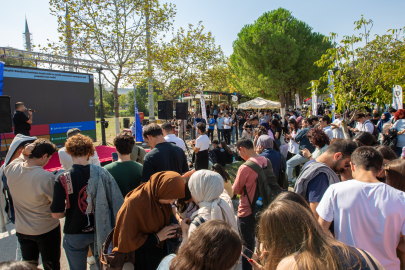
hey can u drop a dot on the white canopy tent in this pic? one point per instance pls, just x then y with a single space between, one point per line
259 103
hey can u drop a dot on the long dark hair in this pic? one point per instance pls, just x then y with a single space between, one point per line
214 245
226 147
295 123
219 169
275 123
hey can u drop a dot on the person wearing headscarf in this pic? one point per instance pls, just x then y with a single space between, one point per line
266 147
207 191
144 218
385 117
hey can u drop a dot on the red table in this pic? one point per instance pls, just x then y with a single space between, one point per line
103 152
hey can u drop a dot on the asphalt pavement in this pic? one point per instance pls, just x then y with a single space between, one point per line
8 248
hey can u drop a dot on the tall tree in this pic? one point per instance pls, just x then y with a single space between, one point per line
364 74
187 60
112 32
275 55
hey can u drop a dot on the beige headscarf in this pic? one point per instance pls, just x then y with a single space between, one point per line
207 188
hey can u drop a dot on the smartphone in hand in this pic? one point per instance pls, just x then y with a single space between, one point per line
114 156
247 252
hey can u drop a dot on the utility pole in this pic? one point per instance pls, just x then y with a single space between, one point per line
102 120
150 89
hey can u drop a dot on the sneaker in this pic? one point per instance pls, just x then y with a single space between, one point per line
91 260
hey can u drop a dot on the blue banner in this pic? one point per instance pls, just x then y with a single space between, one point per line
1 83
138 124
331 88
64 127
1 77
35 74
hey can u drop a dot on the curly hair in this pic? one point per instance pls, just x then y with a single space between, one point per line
79 146
124 142
261 130
42 147
319 138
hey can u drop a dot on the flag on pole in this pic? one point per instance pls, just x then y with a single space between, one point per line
138 124
397 97
297 101
314 101
331 90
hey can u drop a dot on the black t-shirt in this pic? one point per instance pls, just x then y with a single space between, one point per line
241 122
77 221
164 157
277 129
20 123
221 155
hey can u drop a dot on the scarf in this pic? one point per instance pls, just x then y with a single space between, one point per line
383 121
207 188
142 214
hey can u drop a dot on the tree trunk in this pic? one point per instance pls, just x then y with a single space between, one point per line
282 102
116 109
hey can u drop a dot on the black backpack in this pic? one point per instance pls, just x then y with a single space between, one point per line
390 139
267 187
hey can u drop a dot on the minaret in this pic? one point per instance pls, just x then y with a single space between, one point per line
27 37
68 38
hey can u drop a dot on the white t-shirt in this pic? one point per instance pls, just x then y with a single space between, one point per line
165 263
293 147
369 216
173 138
202 142
338 132
67 162
328 131
227 123
367 126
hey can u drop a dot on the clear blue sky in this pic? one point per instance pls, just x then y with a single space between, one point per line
224 18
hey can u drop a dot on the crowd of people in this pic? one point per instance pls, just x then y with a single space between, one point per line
155 210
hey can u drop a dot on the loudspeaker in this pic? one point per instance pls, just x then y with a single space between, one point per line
6 119
181 111
165 109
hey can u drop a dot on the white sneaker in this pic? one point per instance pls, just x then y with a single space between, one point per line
91 260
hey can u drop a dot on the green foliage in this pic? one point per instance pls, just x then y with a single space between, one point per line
187 61
112 32
276 55
364 74
107 108
140 103
17 62
122 101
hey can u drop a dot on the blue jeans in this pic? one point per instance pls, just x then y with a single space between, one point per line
76 248
220 134
398 151
292 162
233 135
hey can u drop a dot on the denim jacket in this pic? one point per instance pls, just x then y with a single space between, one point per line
106 199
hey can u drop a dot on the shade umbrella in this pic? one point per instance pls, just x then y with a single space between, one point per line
259 103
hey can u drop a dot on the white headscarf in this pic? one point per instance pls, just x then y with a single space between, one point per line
207 188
